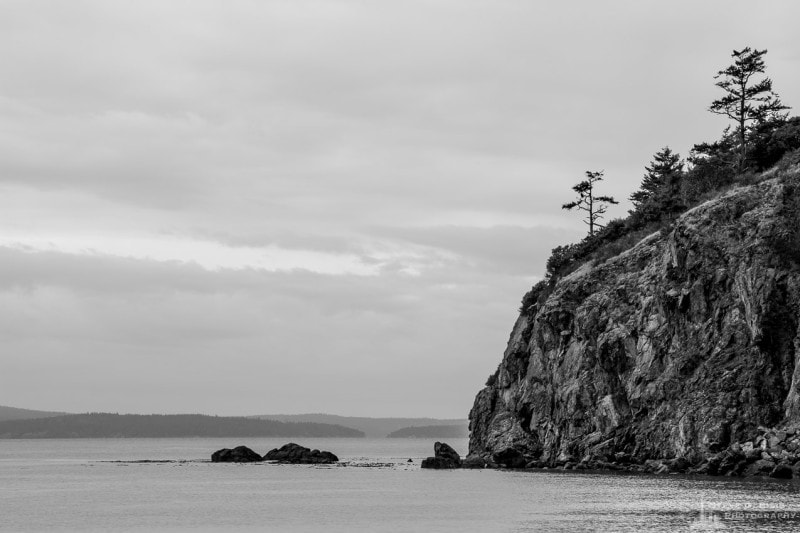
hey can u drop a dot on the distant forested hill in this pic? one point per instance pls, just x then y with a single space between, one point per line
105 425
460 431
14 413
372 427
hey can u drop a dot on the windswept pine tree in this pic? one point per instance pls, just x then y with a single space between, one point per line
746 100
594 206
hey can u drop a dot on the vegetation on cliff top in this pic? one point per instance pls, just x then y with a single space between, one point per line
764 137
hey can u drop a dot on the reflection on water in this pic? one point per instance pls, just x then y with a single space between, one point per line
169 484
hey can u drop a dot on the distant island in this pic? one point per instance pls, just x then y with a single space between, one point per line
15 413
28 423
107 425
374 428
453 431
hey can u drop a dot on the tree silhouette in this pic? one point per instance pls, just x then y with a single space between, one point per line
745 100
660 186
594 206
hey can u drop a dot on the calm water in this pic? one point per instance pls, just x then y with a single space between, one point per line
77 485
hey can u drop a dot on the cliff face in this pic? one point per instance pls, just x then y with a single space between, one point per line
677 348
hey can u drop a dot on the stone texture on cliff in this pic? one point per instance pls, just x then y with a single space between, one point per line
677 348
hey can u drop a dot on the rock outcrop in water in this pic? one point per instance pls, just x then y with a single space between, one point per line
676 355
296 454
240 454
444 457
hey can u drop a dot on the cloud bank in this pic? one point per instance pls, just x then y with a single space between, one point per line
246 207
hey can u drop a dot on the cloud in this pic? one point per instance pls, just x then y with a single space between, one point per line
86 317
510 250
319 204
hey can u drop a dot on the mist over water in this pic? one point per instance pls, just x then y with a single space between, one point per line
98 485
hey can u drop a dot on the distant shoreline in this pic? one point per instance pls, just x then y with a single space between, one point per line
18 423
107 425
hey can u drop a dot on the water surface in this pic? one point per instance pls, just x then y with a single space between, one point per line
100 485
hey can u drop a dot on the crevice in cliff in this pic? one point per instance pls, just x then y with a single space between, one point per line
779 328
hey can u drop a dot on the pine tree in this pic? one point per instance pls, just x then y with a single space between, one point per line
745 100
660 188
594 206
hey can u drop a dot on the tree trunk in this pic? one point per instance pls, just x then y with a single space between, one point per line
742 119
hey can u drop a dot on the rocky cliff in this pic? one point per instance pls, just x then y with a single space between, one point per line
679 349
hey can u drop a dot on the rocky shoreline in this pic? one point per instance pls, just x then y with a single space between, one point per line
774 454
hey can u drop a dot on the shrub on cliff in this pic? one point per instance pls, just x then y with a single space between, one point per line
712 166
537 294
772 140
564 259
790 161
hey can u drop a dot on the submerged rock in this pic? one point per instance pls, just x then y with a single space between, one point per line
296 454
240 454
444 457
682 350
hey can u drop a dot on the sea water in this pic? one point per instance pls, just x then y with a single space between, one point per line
171 485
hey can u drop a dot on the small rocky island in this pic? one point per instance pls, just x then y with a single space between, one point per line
290 453
295 454
444 457
240 454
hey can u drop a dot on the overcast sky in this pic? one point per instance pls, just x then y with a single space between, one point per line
242 207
